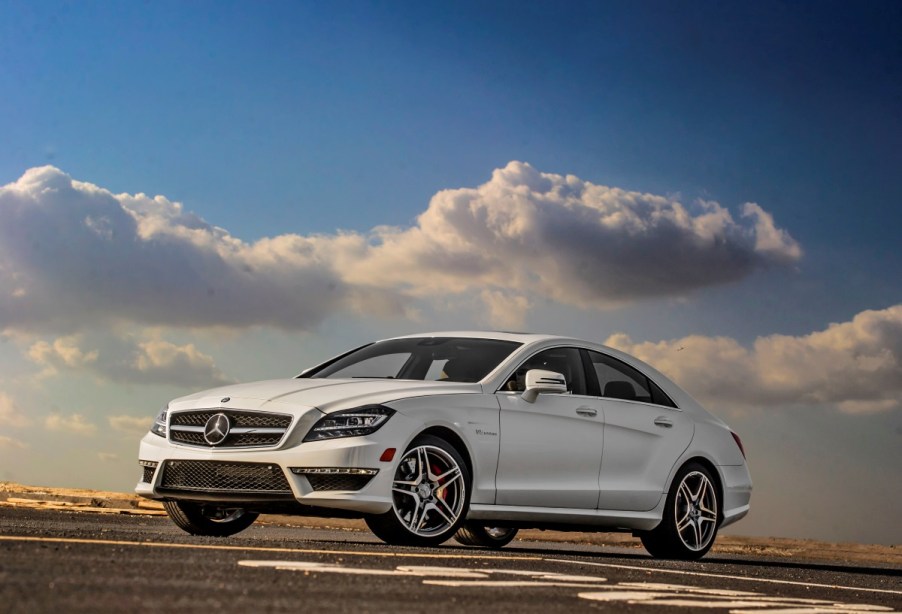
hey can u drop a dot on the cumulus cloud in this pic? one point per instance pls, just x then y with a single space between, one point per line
12 444
73 255
130 425
73 423
148 360
571 240
62 353
505 310
855 365
10 414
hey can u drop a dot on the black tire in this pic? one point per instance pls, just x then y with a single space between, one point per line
438 497
692 515
477 534
209 520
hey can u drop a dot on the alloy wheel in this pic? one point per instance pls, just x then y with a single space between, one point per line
695 511
428 491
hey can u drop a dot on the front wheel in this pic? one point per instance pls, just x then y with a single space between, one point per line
430 495
691 517
209 520
476 534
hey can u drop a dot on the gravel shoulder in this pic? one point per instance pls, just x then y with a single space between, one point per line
104 502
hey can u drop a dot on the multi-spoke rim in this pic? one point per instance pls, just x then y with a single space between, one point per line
223 514
499 532
428 491
696 510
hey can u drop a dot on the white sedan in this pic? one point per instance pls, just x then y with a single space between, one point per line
464 434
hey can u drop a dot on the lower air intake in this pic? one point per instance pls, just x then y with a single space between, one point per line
224 477
337 482
147 478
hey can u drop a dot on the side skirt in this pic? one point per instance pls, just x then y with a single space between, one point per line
562 519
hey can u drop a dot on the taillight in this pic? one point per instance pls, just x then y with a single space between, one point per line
738 443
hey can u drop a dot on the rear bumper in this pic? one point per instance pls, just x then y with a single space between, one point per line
737 492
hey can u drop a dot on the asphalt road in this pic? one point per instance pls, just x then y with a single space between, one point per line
53 561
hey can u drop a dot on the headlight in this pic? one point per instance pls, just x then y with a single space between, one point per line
350 423
159 423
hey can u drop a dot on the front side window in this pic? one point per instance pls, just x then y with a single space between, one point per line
565 361
448 359
618 380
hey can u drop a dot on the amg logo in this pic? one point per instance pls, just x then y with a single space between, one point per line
483 432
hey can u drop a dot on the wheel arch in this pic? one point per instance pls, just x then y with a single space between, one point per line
453 439
711 467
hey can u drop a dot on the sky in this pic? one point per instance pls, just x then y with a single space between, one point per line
203 193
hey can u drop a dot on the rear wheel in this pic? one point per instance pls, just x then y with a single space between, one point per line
691 517
430 495
210 520
476 534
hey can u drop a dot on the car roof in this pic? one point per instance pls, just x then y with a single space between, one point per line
483 334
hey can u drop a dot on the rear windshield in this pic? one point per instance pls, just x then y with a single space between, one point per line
451 359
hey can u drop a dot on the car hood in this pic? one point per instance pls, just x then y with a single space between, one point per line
326 395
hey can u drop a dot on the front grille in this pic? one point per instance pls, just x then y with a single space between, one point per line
148 474
225 477
247 428
337 482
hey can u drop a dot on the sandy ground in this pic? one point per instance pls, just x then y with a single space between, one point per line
101 502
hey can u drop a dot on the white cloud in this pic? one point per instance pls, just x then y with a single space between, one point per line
163 362
855 365
73 423
579 243
130 425
73 255
63 353
11 443
141 360
10 414
505 310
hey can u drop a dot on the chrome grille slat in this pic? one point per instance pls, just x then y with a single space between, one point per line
248 428
225 477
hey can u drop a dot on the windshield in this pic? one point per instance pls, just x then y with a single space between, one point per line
449 359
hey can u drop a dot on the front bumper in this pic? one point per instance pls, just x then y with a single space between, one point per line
351 453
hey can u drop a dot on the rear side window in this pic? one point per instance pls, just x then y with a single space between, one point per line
618 380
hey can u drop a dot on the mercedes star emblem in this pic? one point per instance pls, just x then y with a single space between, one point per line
216 429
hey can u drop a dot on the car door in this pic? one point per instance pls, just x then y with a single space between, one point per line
550 450
645 434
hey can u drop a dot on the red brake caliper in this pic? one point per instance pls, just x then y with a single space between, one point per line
441 490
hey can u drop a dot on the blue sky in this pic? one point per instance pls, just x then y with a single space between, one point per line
311 118
300 117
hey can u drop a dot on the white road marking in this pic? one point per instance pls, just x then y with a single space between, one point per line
663 594
705 574
339 569
414 555
700 598
645 593
536 578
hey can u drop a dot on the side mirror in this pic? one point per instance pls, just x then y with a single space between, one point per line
540 380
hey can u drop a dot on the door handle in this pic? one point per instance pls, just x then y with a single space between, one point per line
586 411
665 422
